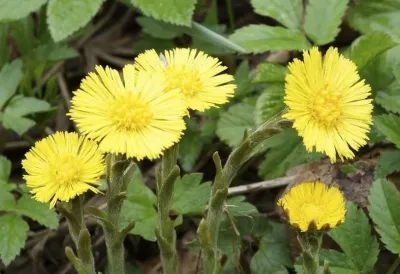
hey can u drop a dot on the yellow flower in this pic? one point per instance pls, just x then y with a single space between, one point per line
194 73
328 103
139 118
314 205
62 166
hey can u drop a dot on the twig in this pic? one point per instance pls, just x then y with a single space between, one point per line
112 59
64 90
261 185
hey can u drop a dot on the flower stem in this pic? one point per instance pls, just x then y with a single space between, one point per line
311 244
394 266
208 232
165 232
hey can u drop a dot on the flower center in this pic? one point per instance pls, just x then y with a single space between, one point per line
326 107
65 169
187 80
129 112
311 211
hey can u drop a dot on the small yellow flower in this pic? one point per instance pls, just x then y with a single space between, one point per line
194 73
328 103
62 166
139 118
314 205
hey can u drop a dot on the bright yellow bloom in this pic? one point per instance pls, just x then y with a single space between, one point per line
139 118
328 103
314 205
62 166
194 73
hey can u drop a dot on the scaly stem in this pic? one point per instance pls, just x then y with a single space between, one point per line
166 235
311 244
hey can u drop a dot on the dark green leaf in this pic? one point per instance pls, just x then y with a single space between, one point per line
388 163
384 209
10 76
12 237
5 50
159 29
242 80
190 145
16 9
261 38
7 200
269 103
389 125
237 206
5 168
270 73
148 42
19 124
339 263
21 106
54 52
37 211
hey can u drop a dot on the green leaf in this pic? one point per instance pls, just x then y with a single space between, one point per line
21 106
159 29
5 50
242 80
270 73
19 124
388 163
5 168
54 52
190 195
37 211
384 209
269 103
287 12
389 125
148 42
190 145
376 15
12 237
355 239
273 253
367 47
10 76
238 207
389 98
261 38
173 11
64 17
285 150
233 123
339 263
17 9
323 19
7 200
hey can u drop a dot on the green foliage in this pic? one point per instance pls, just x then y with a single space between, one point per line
242 80
389 98
384 200
355 239
388 163
269 103
173 11
270 73
17 9
5 169
287 12
237 206
10 76
389 125
12 236
64 17
323 19
261 38
159 29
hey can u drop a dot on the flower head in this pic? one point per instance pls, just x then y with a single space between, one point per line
194 73
314 205
328 103
139 118
62 166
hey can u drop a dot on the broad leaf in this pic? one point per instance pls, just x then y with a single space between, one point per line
5 50
54 52
242 80
355 239
159 29
323 19
12 236
339 263
270 73
389 98
5 168
384 209
237 206
273 253
37 211
389 125
261 38
388 163
149 42
7 200
269 103
287 12
190 195
64 17
173 11
21 106
16 9
233 123
190 145
10 76
19 124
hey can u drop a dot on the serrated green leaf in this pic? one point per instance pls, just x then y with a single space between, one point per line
173 11
5 168
17 9
285 150
7 200
21 106
64 17
159 29
237 206
269 103
10 76
323 19
287 12
13 231
233 123
388 163
137 190
19 124
243 83
355 239
376 15
37 211
261 38
367 47
384 209
190 195
388 101
389 125
274 252
270 73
